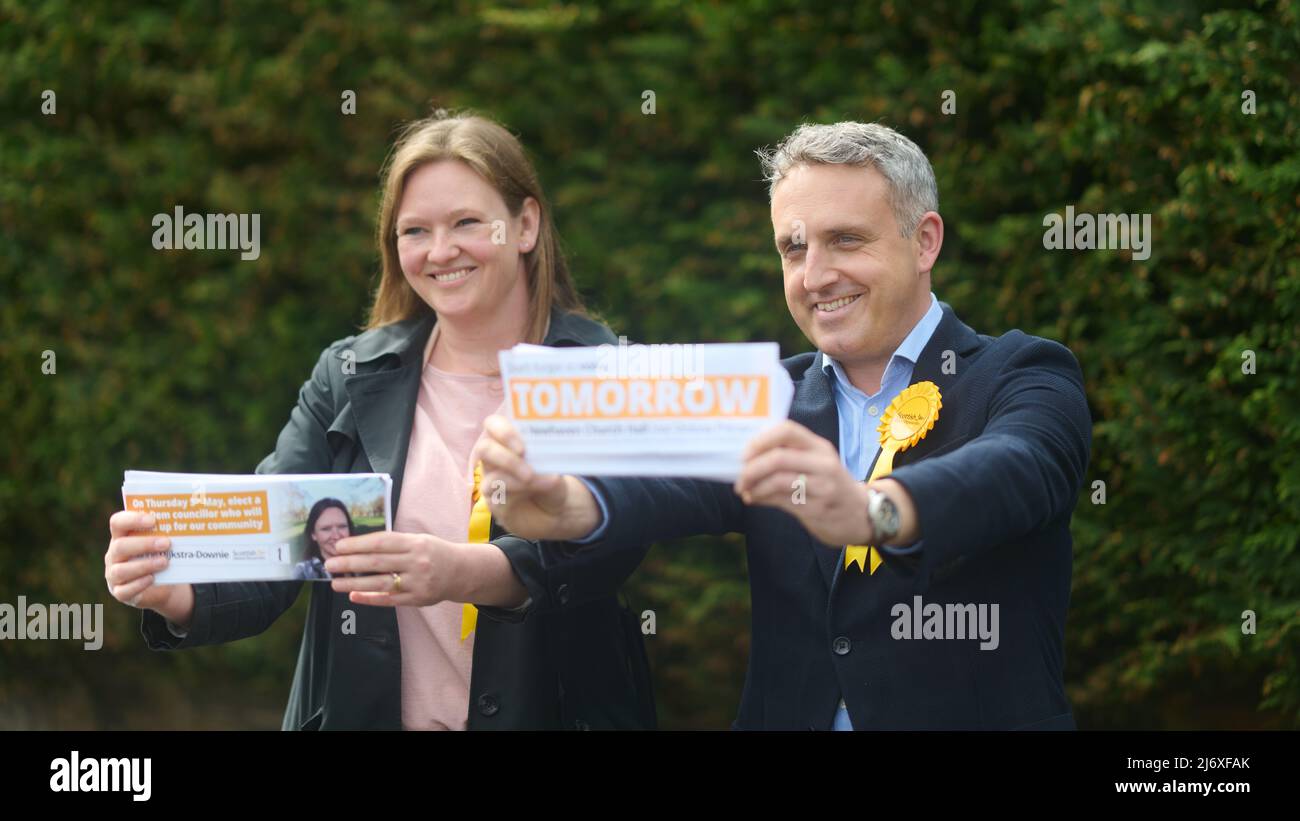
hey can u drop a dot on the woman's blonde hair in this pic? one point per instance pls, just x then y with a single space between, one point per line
498 157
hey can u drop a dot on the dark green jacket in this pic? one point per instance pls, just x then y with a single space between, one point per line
573 658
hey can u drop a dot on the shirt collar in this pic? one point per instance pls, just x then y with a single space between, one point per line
910 348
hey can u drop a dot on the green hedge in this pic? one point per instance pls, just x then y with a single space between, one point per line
192 360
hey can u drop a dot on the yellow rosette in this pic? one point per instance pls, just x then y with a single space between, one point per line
480 528
905 422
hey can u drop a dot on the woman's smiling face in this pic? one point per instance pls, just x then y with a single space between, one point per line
459 246
331 525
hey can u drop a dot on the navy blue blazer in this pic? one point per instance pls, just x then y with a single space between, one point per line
994 483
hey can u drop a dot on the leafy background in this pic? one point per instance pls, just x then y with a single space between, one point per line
191 360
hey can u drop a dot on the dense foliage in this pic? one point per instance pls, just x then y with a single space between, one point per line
191 360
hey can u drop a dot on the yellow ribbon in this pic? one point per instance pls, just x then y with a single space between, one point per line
480 527
905 422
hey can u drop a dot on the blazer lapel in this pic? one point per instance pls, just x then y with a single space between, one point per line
951 334
937 366
383 401
814 408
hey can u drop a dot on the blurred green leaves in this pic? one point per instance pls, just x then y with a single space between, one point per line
192 360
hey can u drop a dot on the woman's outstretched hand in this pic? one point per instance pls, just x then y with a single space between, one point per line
132 560
419 569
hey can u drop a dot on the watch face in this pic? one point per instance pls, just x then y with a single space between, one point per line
891 516
884 515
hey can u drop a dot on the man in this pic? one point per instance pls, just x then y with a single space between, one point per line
955 616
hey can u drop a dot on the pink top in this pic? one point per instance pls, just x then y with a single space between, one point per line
436 485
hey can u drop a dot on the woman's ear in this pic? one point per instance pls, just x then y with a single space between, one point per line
530 218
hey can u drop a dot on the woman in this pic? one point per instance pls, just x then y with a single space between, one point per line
471 266
327 523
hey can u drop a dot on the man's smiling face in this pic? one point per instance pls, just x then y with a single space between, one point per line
853 284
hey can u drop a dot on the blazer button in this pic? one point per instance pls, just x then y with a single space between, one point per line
488 705
842 646
562 594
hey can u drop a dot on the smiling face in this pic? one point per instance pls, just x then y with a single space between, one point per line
331 525
459 247
854 286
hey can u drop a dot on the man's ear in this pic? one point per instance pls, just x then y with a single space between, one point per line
929 240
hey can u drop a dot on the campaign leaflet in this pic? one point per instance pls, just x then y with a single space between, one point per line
644 410
254 527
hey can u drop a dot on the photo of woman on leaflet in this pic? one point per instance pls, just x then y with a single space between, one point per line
327 522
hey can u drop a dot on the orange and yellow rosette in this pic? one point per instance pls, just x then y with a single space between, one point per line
905 422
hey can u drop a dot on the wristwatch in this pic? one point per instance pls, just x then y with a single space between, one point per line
883 515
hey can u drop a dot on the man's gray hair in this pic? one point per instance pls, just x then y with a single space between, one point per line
912 189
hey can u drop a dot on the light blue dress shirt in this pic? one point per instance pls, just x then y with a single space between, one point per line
859 416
